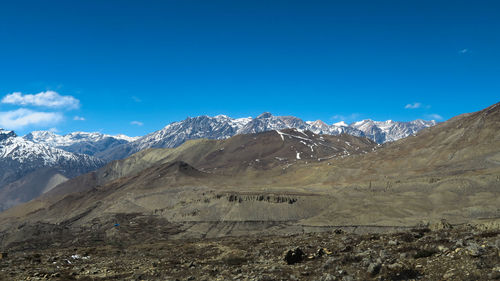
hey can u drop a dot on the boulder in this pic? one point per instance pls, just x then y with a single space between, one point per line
294 256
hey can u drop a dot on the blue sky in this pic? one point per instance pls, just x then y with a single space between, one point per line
134 66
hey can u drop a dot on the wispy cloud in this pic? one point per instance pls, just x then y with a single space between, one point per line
434 116
79 118
414 105
22 117
136 123
136 99
463 51
48 99
348 118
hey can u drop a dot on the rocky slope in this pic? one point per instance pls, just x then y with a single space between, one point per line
280 149
130 252
175 134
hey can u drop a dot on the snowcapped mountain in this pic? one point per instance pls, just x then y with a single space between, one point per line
110 147
176 133
4 134
79 142
223 127
41 159
20 157
320 127
29 169
267 122
387 131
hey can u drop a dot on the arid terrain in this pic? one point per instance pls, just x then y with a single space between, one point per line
422 208
444 253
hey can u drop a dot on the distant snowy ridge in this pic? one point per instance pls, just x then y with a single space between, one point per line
79 142
19 157
110 147
4 134
50 138
28 169
387 131
222 127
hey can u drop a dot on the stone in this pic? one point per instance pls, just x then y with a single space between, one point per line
448 275
383 254
366 261
328 277
474 249
374 268
403 255
442 248
329 263
322 251
294 256
441 225
392 243
395 266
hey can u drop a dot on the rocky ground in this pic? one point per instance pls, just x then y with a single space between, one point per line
460 253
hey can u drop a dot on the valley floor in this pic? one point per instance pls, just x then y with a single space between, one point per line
461 253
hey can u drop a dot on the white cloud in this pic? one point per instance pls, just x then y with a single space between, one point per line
136 99
22 117
136 123
463 51
350 117
79 118
434 116
413 105
43 99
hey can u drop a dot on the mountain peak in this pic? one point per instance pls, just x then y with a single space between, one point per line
222 116
341 124
265 115
125 137
319 123
5 134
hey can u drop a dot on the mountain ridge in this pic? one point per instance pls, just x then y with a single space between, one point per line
20 158
79 142
223 127
449 171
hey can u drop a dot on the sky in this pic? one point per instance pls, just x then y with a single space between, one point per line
132 67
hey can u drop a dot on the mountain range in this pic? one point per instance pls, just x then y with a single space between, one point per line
223 127
29 169
79 142
38 161
278 181
109 147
